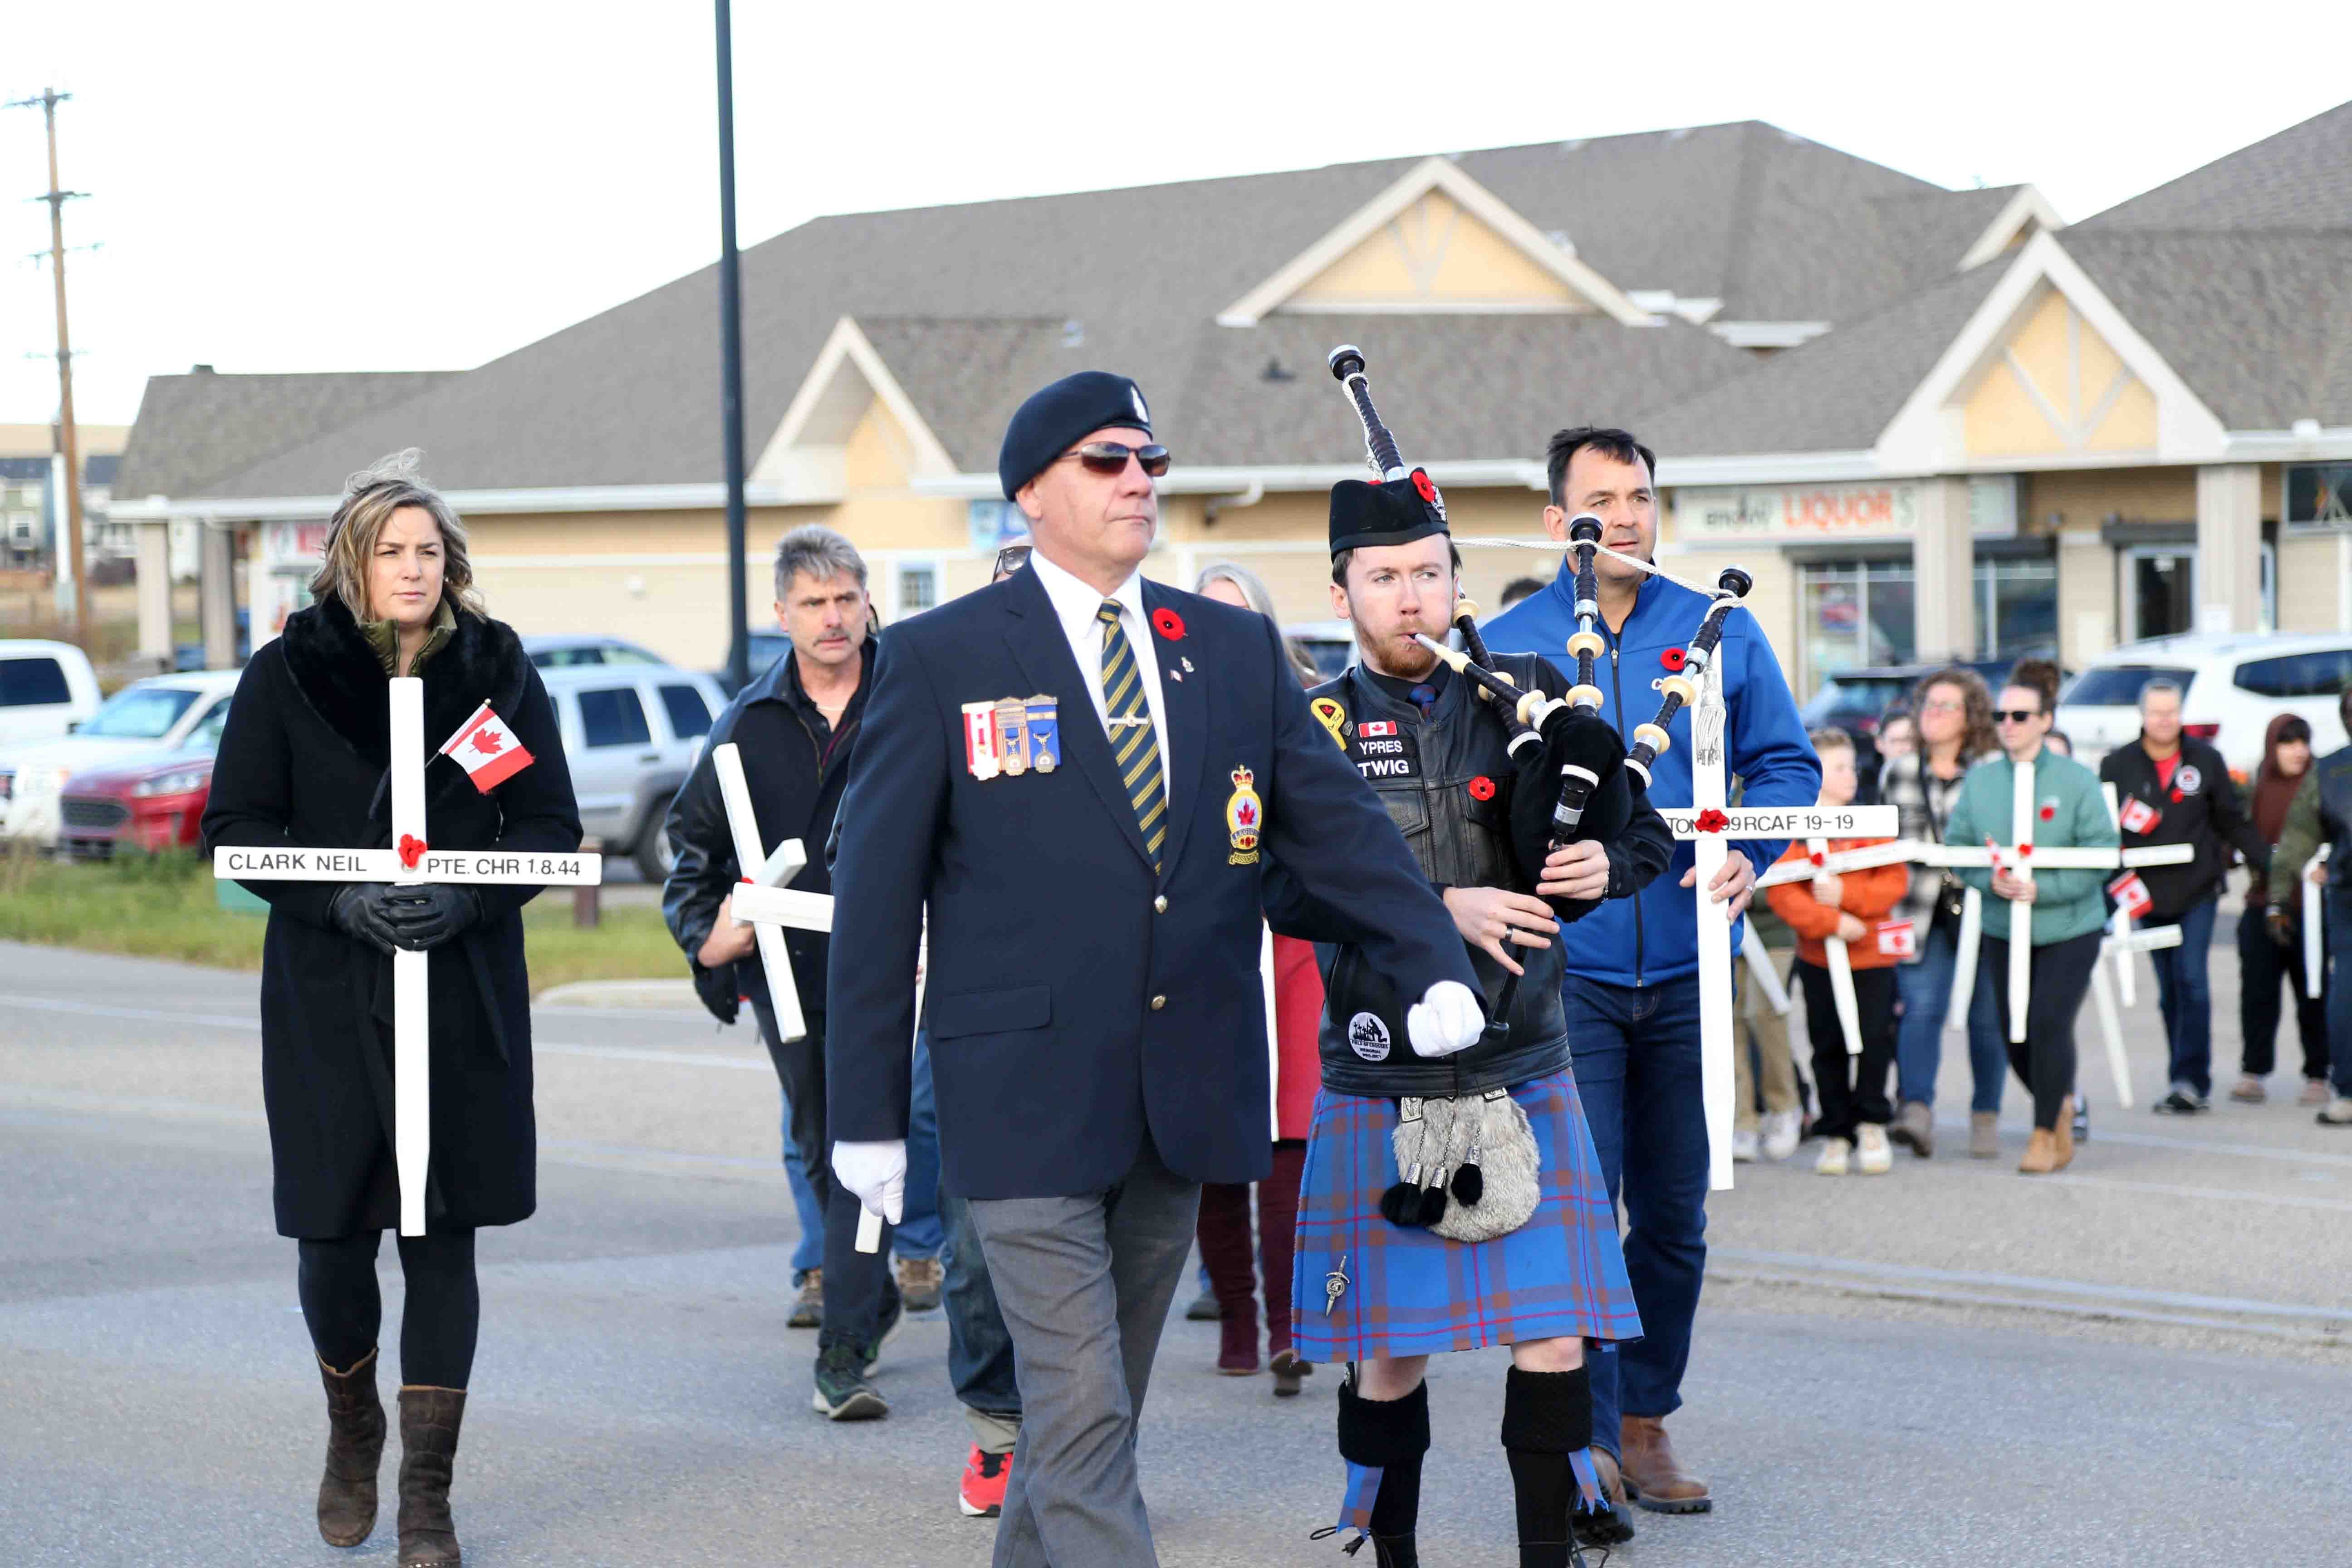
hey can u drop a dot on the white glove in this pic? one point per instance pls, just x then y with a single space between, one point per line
1446 1019
875 1174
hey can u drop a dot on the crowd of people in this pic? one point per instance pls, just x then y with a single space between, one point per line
1322 959
1949 755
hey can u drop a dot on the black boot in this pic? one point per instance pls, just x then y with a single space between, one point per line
1547 1418
429 1418
355 1451
1390 1435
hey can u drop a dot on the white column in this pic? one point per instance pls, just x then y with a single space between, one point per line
216 595
2229 547
155 578
1943 571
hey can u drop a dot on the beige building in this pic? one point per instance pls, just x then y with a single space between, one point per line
1934 421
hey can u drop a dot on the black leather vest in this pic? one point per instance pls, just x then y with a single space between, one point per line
1447 783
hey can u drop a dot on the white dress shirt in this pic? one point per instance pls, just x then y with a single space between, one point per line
1074 606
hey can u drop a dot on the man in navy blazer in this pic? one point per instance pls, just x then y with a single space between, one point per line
1081 776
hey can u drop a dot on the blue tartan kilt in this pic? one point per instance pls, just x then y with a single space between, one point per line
1414 1292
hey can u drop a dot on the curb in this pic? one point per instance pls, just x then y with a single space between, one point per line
648 993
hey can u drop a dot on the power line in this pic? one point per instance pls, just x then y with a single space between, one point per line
68 439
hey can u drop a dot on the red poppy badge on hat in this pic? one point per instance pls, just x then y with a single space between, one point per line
1482 788
1424 486
1167 623
1673 658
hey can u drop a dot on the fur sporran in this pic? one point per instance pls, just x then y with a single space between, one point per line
1473 1161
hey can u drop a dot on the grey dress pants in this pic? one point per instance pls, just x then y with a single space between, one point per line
1085 1284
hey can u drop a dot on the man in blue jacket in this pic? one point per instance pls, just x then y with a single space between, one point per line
1632 980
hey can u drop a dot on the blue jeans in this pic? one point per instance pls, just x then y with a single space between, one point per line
979 1348
919 1233
1925 988
1637 1071
808 1252
2185 994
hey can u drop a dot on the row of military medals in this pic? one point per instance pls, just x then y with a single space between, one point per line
1011 736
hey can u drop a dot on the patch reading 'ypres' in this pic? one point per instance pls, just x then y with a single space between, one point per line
1384 757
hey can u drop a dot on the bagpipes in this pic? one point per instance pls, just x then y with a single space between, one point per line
1571 784
1681 687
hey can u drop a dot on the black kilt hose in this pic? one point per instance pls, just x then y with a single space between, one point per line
304 762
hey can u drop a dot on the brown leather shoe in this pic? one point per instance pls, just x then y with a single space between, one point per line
2041 1153
355 1451
2063 1136
1653 1477
429 1418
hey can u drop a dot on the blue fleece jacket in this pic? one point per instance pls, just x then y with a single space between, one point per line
1654 936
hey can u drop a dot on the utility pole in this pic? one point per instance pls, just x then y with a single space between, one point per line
731 359
68 439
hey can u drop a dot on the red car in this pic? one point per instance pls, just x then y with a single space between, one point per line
149 803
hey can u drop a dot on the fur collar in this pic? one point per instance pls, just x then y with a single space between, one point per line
338 673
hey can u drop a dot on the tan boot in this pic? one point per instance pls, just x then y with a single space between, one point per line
1653 1477
355 1451
2062 1154
2041 1153
429 1418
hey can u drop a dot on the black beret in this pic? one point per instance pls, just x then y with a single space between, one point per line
1396 512
1053 420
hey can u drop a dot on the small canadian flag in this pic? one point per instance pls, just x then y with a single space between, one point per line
2131 895
486 750
2138 816
1897 939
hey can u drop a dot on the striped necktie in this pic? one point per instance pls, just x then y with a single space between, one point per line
1133 747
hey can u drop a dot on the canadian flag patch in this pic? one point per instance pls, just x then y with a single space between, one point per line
1377 727
486 750
2131 895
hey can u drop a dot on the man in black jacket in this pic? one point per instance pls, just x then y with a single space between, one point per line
2176 789
795 726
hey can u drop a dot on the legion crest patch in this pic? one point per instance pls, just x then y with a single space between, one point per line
1245 819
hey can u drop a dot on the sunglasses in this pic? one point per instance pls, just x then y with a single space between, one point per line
2013 715
1012 558
1110 458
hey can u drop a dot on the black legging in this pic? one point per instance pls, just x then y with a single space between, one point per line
438 1326
2044 1060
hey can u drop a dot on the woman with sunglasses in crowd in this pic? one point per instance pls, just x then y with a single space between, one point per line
2069 906
1954 710
2270 937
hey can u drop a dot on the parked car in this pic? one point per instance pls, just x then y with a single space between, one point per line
188 658
1331 643
764 649
631 733
46 688
157 713
2231 687
149 801
1856 701
555 651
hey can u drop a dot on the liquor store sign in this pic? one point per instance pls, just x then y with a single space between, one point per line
1790 514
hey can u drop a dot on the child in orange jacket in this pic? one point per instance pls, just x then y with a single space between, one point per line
1854 1108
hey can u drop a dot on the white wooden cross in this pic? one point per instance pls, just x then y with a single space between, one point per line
764 902
1709 846
410 862
2315 951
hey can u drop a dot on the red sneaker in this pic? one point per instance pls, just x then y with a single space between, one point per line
981 1496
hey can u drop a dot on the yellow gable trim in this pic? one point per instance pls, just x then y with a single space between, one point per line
2056 386
1432 251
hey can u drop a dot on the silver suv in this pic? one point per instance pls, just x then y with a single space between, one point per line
631 733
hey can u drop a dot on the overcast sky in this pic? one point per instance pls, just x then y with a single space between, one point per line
357 185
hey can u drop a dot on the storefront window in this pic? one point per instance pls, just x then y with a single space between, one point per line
2017 609
1855 613
2161 593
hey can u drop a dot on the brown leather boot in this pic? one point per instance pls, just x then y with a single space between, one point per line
354 1452
2062 1137
2041 1153
1653 1477
428 1452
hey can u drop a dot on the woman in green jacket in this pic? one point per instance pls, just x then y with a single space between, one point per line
2069 906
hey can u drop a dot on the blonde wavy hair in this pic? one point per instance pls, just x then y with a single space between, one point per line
370 498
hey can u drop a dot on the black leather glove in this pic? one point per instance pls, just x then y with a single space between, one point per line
425 916
357 910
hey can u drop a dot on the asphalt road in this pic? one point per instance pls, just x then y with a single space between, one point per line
2139 1362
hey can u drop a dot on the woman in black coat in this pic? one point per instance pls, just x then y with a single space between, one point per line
304 762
